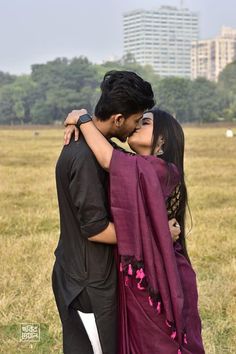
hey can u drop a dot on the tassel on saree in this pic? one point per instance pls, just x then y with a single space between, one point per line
159 307
130 270
150 301
173 335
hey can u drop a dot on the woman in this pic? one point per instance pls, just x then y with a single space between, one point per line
157 286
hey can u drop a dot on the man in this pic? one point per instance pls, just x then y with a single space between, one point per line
84 274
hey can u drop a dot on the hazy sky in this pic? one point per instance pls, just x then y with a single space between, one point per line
35 31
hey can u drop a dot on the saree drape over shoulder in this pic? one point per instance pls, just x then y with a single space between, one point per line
157 287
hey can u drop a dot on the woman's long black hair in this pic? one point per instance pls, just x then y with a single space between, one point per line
166 126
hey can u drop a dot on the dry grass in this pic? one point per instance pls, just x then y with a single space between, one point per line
29 233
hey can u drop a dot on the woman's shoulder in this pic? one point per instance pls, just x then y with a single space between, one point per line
167 173
162 165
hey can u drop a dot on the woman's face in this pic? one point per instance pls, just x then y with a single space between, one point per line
141 140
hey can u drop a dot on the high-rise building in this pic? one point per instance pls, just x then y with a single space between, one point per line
210 57
161 38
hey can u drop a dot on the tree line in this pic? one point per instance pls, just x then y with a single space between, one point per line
59 86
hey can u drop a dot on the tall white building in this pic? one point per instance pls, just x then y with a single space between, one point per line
210 56
161 38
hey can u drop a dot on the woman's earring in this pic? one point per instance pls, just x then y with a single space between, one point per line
160 152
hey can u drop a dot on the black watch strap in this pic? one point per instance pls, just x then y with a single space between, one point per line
83 119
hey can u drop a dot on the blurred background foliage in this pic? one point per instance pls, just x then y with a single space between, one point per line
55 88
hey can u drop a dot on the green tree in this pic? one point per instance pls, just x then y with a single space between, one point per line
16 100
6 78
63 85
207 101
227 85
173 95
55 88
227 78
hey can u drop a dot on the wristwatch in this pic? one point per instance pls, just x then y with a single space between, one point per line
83 119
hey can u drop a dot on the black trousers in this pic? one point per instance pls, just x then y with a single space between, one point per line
75 338
91 300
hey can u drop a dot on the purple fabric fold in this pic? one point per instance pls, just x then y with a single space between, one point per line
138 187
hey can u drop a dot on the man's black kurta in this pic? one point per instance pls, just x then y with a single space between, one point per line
83 267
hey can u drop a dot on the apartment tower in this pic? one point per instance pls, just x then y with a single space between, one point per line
162 38
210 57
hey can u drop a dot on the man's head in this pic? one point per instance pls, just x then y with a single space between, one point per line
124 98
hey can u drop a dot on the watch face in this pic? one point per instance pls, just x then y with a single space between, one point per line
83 119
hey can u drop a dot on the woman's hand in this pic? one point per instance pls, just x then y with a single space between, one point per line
69 131
70 122
174 229
73 116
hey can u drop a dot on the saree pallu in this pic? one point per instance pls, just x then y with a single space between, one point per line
157 287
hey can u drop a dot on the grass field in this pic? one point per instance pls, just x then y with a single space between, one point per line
29 233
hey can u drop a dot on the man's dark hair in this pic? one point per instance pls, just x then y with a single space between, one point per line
123 92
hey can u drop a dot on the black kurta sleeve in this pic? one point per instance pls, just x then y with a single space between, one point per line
88 193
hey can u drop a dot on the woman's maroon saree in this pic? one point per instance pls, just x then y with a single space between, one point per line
157 287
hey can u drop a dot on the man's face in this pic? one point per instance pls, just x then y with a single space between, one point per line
128 126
